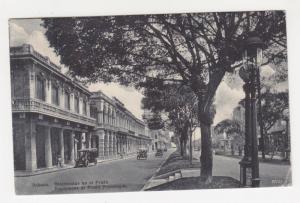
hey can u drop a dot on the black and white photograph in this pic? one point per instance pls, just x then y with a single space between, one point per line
150 102
142 105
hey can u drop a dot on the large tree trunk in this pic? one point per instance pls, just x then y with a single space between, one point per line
205 117
206 158
191 147
181 147
184 148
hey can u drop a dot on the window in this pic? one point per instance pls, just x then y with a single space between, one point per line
40 88
67 100
94 113
55 95
76 104
84 107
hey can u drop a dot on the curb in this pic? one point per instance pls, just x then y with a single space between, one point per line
70 167
44 172
153 176
170 172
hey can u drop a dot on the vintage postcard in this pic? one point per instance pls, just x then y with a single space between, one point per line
150 102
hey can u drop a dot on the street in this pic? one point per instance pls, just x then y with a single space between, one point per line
270 174
113 176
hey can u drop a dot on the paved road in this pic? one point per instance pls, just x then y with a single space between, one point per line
270 174
119 175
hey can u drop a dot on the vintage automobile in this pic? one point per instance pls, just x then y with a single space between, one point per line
142 154
86 156
159 153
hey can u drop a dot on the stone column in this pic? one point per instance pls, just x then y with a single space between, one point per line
80 105
106 114
48 91
88 140
120 145
62 97
88 113
32 82
61 145
75 149
72 102
117 145
114 144
100 112
101 142
106 143
30 146
125 143
110 149
82 140
72 157
48 151
110 115
129 147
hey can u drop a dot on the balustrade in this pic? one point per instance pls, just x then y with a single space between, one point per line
35 105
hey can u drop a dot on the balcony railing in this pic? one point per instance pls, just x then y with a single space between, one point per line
37 106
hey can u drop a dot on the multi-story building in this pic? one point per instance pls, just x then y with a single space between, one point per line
117 131
54 116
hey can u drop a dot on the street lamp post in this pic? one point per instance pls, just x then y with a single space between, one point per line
287 149
252 59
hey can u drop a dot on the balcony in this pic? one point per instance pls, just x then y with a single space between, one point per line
36 106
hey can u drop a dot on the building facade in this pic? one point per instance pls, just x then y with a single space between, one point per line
160 139
118 132
54 116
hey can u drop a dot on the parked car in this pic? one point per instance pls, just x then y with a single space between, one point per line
86 156
159 153
142 154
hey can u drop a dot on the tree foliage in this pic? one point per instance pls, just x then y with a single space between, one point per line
193 49
234 131
273 105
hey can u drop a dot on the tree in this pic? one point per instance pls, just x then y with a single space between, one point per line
195 49
234 129
155 121
273 105
180 106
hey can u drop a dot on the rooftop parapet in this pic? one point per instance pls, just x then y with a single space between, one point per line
28 49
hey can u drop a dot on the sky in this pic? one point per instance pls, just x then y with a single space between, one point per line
30 31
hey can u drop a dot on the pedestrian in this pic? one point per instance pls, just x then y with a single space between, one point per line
59 160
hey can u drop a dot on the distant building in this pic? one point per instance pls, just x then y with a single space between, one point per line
238 114
160 138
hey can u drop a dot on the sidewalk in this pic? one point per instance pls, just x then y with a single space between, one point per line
42 171
174 167
66 166
177 174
